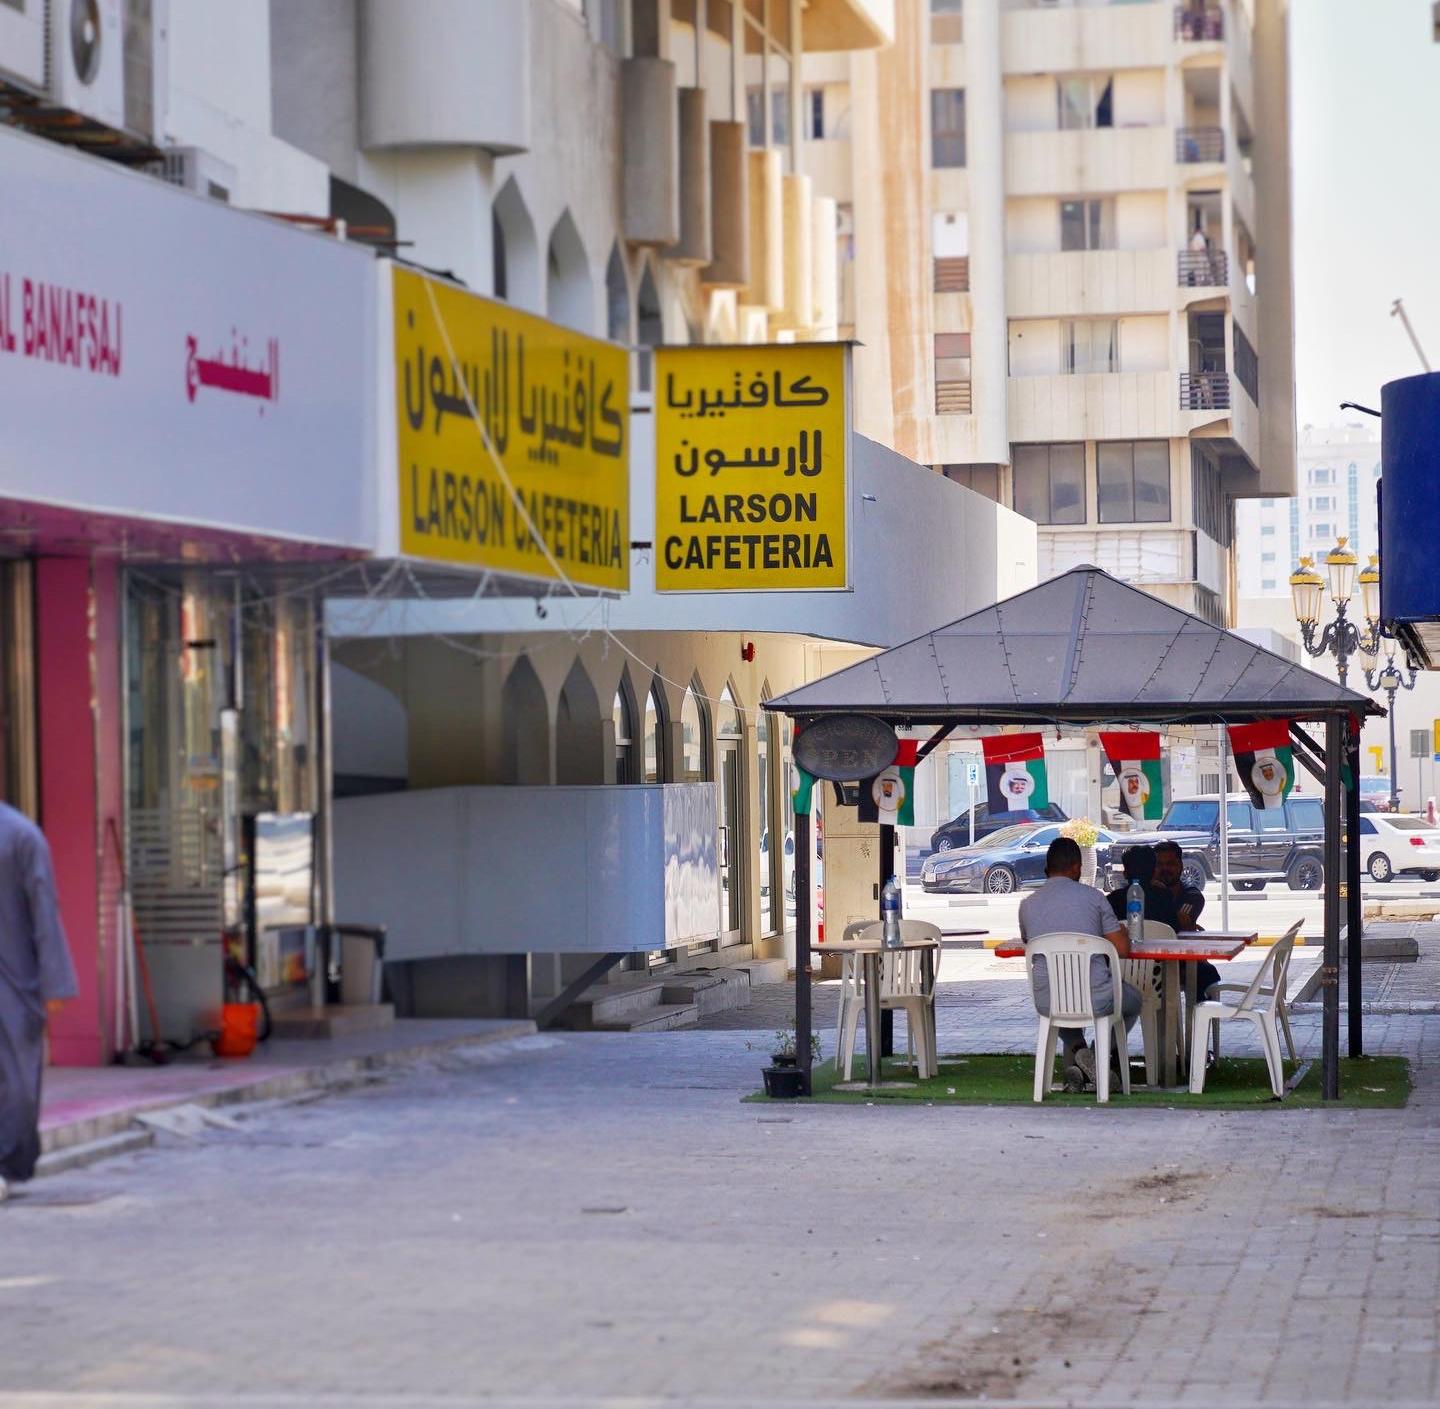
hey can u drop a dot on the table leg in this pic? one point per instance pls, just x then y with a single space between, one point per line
872 1015
1192 994
1169 1024
931 966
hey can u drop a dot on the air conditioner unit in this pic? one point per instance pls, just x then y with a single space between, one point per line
22 41
199 171
87 59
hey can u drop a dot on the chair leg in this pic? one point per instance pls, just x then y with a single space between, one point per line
1284 1017
1270 1041
1150 1036
1044 1058
1198 1039
846 1054
1102 1059
1122 1041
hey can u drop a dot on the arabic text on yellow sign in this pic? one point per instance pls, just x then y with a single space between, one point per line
555 406
751 468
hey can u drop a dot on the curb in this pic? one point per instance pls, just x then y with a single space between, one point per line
96 1137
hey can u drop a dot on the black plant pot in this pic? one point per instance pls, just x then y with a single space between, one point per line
784 1083
784 1059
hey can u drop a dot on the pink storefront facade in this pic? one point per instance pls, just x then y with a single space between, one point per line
188 401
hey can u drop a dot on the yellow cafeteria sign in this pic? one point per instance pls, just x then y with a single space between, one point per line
751 468
555 406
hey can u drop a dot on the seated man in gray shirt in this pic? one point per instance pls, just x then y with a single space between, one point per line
1063 906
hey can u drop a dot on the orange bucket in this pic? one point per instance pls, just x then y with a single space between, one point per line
239 1029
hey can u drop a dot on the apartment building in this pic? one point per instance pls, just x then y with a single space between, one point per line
1338 471
1097 330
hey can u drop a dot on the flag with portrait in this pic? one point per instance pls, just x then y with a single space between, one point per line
1264 760
1134 758
1015 778
889 796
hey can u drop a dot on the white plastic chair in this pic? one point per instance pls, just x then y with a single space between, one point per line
902 985
1144 974
1067 962
1260 1005
1277 990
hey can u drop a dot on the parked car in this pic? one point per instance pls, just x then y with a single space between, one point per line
1005 861
1280 844
956 832
1392 843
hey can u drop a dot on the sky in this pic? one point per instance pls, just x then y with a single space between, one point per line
1365 112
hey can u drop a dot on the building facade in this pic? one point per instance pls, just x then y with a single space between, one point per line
1097 331
1336 483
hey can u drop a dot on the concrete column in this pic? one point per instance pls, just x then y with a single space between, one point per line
729 267
694 246
767 223
823 239
985 159
798 248
650 195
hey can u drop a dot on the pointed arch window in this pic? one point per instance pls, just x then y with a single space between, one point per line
654 737
694 740
623 717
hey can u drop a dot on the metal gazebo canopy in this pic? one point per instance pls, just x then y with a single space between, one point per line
1087 649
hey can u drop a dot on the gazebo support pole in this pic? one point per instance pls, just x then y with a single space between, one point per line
1354 920
803 1024
1335 726
887 869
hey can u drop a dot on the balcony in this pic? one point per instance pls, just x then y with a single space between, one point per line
1204 391
1203 269
1199 144
952 276
1199 24
952 398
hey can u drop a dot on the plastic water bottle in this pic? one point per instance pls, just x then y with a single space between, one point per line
890 914
1135 911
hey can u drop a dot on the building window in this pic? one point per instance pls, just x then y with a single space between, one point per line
983 479
1247 365
1321 502
624 738
1090 345
766 751
1322 530
654 736
952 374
1267 557
1267 503
1050 482
694 752
1133 478
1267 584
815 114
947 21
1209 503
1267 530
947 127
1085 101
1087 225
1322 476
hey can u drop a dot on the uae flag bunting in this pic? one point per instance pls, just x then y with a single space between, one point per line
890 795
802 789
1135 760
1015 772
1264 760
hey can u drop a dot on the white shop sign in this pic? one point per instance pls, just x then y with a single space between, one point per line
166 357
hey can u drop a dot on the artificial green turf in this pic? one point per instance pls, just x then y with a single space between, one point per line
1237 1083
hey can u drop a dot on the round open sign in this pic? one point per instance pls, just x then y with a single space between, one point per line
844 747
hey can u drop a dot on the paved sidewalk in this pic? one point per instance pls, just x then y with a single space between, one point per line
84 1104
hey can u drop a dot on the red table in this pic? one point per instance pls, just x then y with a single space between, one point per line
1187 949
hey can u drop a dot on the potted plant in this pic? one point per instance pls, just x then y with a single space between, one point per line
1084 833
783 1077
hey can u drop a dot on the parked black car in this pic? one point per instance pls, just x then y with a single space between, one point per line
956 832
1280 844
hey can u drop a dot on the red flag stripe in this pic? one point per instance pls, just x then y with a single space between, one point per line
1013 748
1267 734
1130 744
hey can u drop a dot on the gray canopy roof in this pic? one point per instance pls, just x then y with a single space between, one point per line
1083 648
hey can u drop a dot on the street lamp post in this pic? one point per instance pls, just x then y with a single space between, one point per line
1341 637
1391 680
